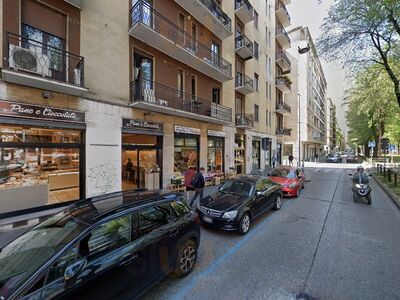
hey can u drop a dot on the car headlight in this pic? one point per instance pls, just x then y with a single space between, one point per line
292 185
230 214
358 186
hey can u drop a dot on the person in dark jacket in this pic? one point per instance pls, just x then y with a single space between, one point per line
198 185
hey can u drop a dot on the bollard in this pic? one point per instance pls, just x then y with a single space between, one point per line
395 179
389 175
384 171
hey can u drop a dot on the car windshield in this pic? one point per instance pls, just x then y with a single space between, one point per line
21 258
237 187
283 173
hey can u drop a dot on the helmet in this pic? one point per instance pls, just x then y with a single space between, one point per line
360 168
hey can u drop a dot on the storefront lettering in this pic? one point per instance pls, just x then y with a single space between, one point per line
187 130
216 133
141 124
40 112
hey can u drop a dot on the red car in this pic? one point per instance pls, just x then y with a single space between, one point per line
291 178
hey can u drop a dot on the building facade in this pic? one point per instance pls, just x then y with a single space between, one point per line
312 87
103 96
331 127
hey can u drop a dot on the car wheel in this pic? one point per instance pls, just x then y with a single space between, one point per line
186 258
244 224
369 199
278 202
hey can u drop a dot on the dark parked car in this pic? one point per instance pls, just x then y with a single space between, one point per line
352 158
238 201
114 246
334 158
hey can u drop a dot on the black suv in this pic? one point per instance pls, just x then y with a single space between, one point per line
111 246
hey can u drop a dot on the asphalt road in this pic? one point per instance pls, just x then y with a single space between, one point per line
321 245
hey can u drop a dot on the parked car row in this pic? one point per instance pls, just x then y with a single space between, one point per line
339 157
119 245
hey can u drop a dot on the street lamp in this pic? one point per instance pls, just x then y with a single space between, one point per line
300 51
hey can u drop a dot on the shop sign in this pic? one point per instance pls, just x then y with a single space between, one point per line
141 124
187 130
23 110
216 133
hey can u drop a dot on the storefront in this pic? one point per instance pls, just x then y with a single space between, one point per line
186 148
240 153
141 154
215 154
256 155
267 147
42 156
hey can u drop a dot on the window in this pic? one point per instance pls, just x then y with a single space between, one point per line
266 35
255 20
194 37
216 95
256 50
269 11
269 119
270 66
193 86
269 39
266 64
270 92
266 90
256 81
263 184
256 112
266 117
180 83
154 217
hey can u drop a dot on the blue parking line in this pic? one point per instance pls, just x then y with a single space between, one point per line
206 272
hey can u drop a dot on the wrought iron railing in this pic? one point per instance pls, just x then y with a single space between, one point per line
281 55
154 93
246 3
282 6
243 41
143 13
283 106
218 13
245 120
36 58
242 80
283 131
281 30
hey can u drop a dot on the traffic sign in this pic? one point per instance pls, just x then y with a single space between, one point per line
392 147
371 144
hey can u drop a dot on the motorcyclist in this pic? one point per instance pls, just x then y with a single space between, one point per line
360 177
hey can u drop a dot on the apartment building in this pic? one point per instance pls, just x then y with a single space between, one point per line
311 92
283 81
103 96
331 127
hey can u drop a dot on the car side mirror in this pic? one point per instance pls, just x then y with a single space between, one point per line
72 271
268 174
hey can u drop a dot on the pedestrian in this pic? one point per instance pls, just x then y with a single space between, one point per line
189 174
274 159
316 156
198 185
290 160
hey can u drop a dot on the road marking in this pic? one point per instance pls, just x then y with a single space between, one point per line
204 274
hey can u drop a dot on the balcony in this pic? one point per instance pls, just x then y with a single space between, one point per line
282 37
77 3
244 47
41 66
244 84
283 84
209 13
282 14
283 61
286 2
283 108
153 96
244 121
154 29
244 11
283 131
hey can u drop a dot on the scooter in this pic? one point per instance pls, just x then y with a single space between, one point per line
361 191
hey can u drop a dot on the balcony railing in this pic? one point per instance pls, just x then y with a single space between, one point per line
143 13
283 131
245 120
143 90
281 30
245 3
242 80
283 106
243 41
280 6
36 58
281 55
283 81
218 13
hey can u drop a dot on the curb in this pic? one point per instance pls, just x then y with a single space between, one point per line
391 195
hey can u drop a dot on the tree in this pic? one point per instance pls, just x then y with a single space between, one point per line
363 32
340 142
371 107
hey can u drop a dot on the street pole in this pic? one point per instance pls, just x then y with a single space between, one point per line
298 129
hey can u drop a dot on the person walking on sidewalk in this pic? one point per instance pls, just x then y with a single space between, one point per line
189 174
274 159
290 160
198 183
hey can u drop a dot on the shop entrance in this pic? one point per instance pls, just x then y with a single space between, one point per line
141 161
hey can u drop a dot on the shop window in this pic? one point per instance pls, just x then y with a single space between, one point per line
43 163
215 156
185 154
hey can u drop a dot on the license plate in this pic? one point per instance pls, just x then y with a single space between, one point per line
207 219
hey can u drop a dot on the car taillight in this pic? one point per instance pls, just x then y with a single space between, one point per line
195 217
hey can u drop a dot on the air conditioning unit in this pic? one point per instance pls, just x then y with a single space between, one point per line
29 60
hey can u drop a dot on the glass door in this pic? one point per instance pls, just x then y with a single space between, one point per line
149 171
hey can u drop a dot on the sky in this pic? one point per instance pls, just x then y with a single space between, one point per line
309 13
